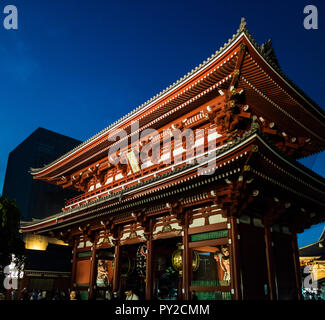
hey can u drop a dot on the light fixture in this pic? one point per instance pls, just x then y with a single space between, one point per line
177 259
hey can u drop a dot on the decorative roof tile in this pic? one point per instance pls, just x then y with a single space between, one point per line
268 55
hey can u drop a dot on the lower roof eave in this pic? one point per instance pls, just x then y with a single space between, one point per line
53 221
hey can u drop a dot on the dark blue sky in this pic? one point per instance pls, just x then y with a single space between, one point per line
74 67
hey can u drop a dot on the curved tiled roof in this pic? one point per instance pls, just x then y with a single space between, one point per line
241 30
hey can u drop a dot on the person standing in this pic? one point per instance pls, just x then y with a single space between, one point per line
130 295
194 296
14 295
108 294
116 296
24 294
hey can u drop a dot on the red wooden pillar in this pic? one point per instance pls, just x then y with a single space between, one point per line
116 275
235 266
149 264
296 265
24 283
74 263
92 272
187 262
270 262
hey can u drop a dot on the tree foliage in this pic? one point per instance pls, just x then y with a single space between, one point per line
10 240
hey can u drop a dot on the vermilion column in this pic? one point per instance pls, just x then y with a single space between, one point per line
74 263
187 262
235 267
92 272
116 275
149 264
270 262
296 265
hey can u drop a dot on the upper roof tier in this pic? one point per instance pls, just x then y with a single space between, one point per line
278 98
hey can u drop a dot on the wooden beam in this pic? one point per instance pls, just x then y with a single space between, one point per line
69 184
239 62
208 228
212 242
210 288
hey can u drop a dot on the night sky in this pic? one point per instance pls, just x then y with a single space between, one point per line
75 67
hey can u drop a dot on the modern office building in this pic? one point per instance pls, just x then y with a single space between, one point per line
48 261
36 199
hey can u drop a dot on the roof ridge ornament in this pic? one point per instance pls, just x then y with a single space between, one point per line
270 57
266 48
242 25
268 52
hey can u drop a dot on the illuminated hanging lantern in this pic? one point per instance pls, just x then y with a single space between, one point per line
177 259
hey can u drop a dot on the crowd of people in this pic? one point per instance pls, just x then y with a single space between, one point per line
74 294
35 294
313 295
